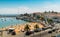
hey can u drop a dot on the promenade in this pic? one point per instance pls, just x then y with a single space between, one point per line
46 34
43 33
38 34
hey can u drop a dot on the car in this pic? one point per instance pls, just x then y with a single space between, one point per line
37 30
11 30
13 33
54 30
44 28
29 32
49 31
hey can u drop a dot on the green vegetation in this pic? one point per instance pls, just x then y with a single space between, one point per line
38 17
26 14
50 20
42 18
27 27
36 26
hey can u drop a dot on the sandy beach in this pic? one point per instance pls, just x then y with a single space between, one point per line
20 27
39 34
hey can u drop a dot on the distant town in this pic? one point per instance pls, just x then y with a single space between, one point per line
38 16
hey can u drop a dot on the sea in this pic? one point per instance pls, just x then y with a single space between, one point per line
7 21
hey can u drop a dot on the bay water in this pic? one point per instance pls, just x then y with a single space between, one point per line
7 21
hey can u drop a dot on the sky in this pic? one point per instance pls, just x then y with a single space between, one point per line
28 6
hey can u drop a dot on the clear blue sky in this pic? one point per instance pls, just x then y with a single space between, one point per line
29 3
9 6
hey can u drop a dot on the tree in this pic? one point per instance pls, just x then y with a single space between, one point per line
42 18
50 21
38 17
45 12
52 11
26 14
49 11
27 27
36 26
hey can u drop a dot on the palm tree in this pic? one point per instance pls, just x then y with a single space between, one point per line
27 27
45 12
36 28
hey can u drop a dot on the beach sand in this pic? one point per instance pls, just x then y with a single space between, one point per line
20 27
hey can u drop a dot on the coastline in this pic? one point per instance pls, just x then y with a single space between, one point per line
20 27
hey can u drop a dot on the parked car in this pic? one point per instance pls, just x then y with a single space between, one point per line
10 30
37 30
54 30
13 33
49 31
29 32
44 28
